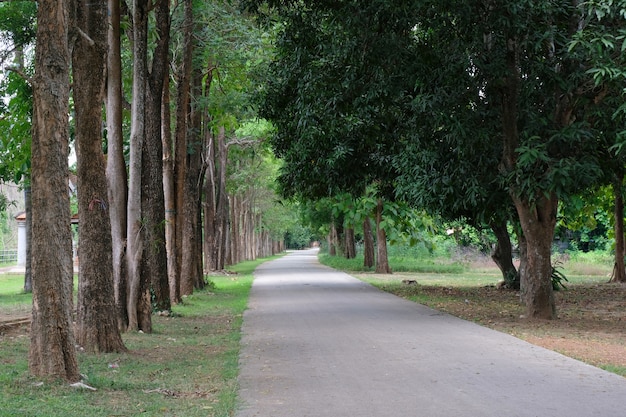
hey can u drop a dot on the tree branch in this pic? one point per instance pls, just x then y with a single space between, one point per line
19 71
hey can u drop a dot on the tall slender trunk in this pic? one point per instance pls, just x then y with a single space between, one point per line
183 109
138 296
169 193
619 271
96 328
189 222
52 351
382 261
154 267
210 205
223 210
117 180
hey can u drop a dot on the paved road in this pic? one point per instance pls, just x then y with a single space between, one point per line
317 342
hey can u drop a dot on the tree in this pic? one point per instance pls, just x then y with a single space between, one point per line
116 174
154 259
538 95
138 307
97 329
52 347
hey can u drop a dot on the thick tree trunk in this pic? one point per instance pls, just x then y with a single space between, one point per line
538 221
96 329
503 255
368 244
382 261
619 270
116 166
52 351
154 268
139 318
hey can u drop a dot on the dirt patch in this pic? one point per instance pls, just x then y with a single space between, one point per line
591 323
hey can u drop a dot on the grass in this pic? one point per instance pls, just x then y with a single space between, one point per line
187 367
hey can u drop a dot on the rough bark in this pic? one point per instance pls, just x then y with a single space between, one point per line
502 255
368 244
183 108
189 221
382 261
138 290
538 222
619 270
96 329
116 166
52 348
154 266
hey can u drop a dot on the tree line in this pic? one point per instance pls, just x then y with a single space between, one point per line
174 177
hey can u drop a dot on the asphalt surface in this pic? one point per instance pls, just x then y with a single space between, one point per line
317 342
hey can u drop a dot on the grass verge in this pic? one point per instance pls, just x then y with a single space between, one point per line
187 367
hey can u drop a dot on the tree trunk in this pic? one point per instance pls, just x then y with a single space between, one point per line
169 194
138 288
210 205
503 255
52 350
116 166
382 261
368 244
619 271
348 234
183 108
189 221
538 218
538 221
223 216
97 329
28 209
332 240
154 268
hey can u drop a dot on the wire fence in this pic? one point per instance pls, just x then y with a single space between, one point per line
8 256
